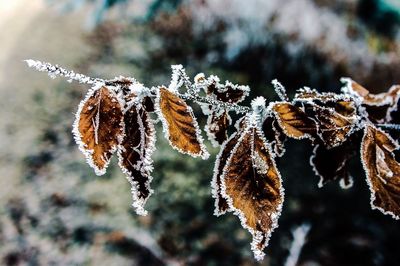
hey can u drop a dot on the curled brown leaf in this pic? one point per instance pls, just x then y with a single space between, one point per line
382 170
135 152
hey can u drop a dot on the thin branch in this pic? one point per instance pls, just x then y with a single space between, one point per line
389 126
240 109
55 70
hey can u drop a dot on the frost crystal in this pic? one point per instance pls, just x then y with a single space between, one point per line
299 239
55 70
176 81
280 90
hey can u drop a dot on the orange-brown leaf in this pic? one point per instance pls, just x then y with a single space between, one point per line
378 106
99 127
180 124
134 155
252 185
390 97
294 122
382 169
333 127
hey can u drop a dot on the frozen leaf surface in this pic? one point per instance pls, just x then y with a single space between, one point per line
99 127
274 135
332 164
134 155
252 186
382 169
179 124
293 121
221 204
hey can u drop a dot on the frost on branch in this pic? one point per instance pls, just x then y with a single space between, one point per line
99 127
179 124
55 70
382 169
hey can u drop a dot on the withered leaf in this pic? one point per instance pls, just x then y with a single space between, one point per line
148 104
341 103
217 127
179 124
378 106
228 92
333 128
332 164
335 114
274 135
293 121
134 155
390 97
382 170
99 127
252 186
221 205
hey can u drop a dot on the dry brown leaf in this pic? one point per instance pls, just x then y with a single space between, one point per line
179 124
378 106
99 127
228 92
148 104
333 128
390 97
134 155
382 170
217 127
332 164
252 186
221 205
335 115
342 104
218 119
294 122
274 135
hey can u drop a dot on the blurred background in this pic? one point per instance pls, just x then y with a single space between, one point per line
55 211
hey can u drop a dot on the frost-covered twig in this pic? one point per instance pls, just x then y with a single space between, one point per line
55 70
390 126
299 239
240 109
280 90
179 77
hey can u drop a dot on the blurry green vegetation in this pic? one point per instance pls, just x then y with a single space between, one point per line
380 15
